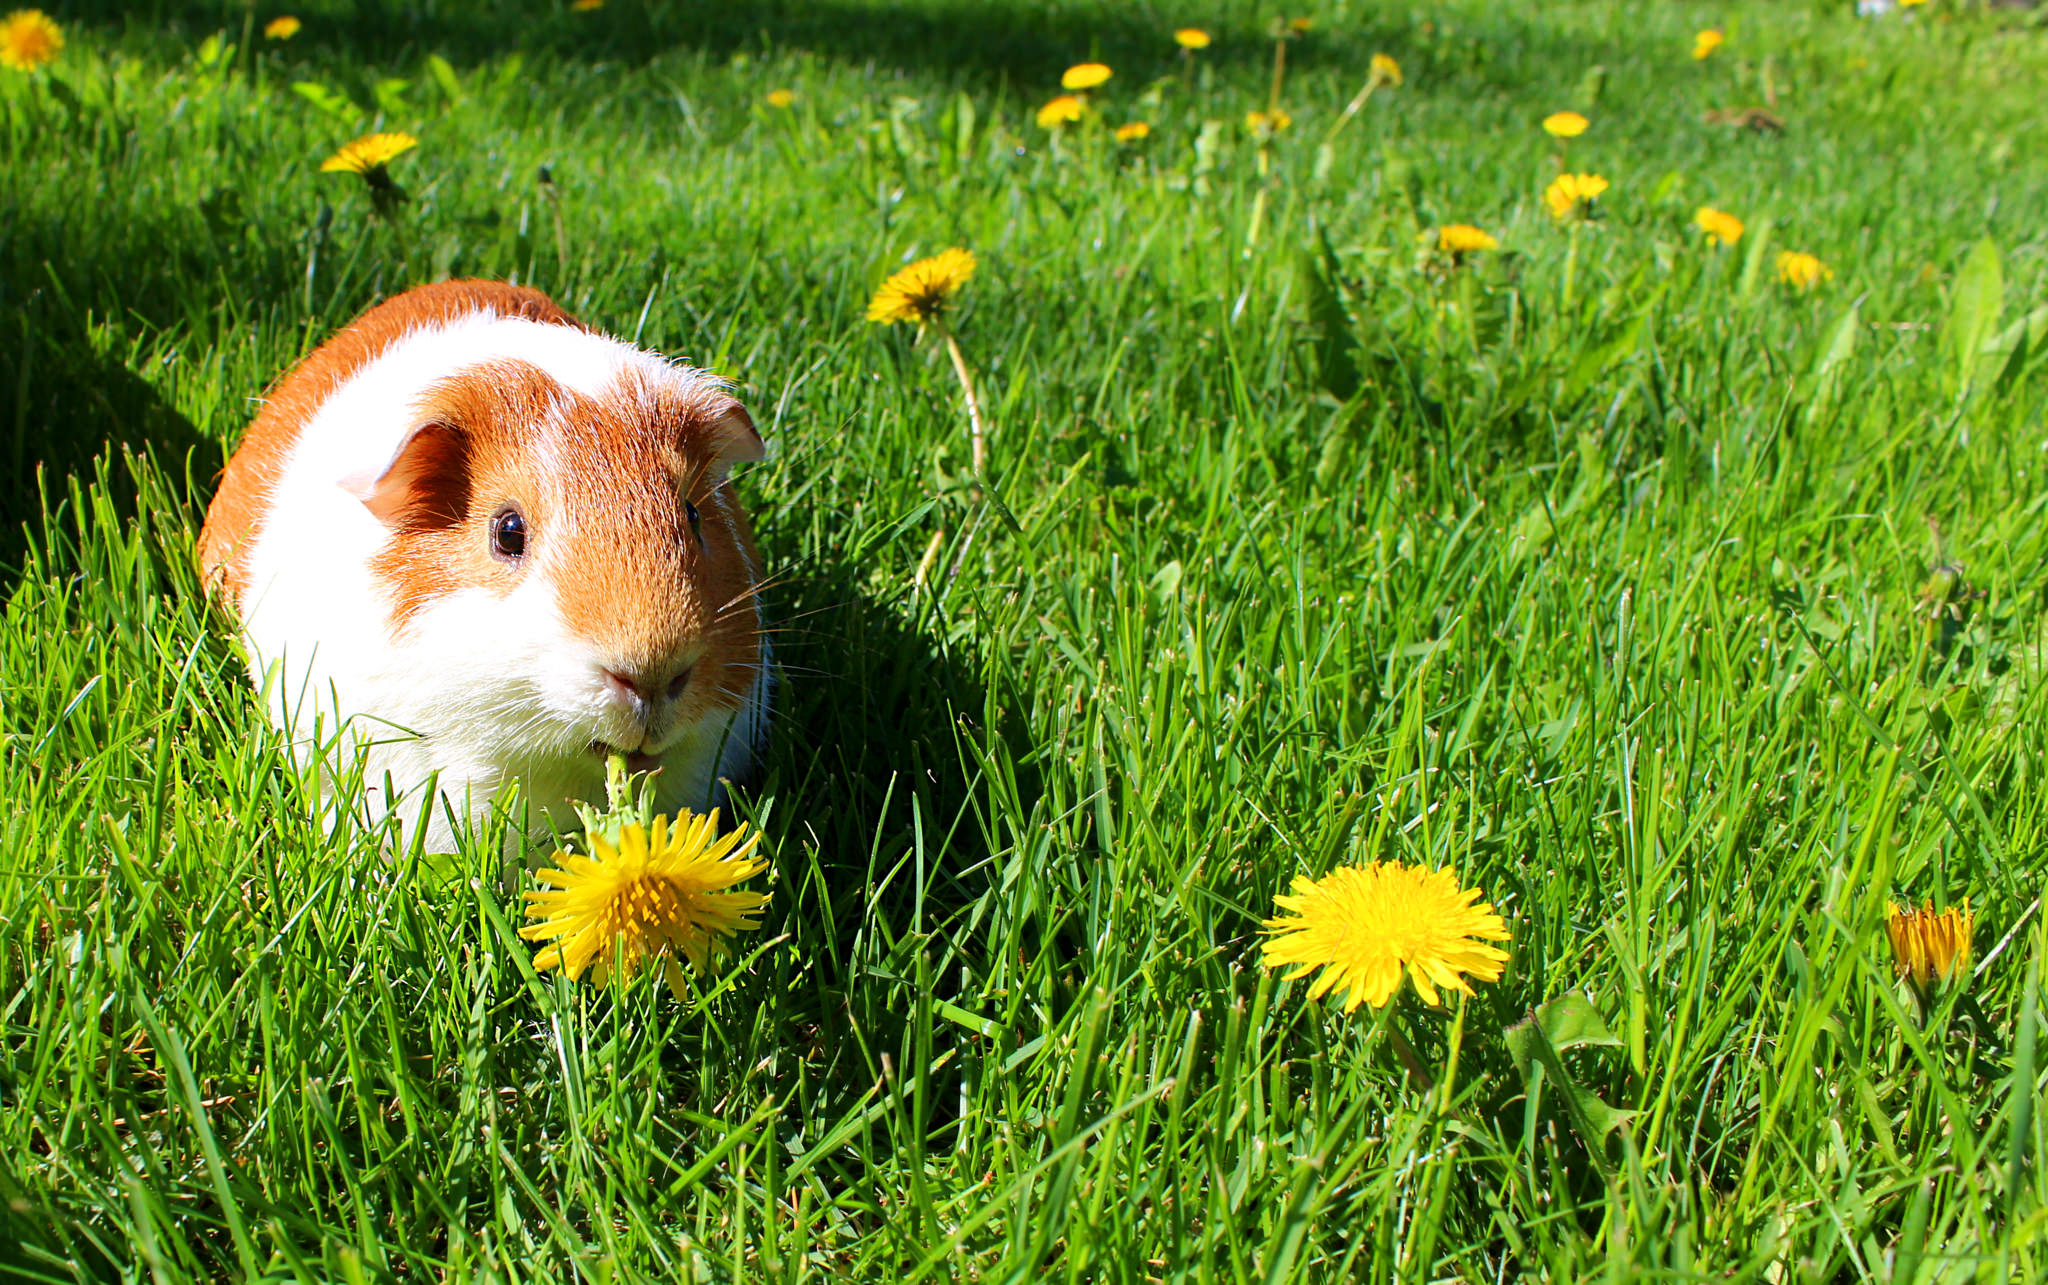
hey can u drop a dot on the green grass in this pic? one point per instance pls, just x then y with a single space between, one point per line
1307 552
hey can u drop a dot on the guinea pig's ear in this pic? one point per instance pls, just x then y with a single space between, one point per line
731 436
425 487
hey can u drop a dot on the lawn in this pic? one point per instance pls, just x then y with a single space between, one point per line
1693 615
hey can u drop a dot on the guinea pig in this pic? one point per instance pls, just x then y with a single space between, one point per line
480 543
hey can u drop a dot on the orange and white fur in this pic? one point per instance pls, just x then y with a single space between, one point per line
493 546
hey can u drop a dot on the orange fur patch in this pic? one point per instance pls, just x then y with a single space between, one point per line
236 514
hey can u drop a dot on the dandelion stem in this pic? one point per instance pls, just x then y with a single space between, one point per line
977 435
1352 108
1571 262
617 793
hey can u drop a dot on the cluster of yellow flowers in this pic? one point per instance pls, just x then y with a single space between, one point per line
1072 107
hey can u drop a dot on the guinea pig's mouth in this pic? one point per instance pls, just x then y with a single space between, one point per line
635 760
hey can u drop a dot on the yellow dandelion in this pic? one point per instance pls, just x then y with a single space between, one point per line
1384 70
1191 38
659 894
1132 132
1721 227
1085 75
368 155
1299 25
1704 43
781 97
1930 945
29 39
923 291
1565 124
1570 194
1060 111
1362 925
586 6
1802 271
282 28
1272 122
1462 238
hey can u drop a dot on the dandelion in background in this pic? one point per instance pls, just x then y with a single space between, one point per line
658 894
1463 238
1063 110
1802 271
1300 26
781 97
1572 195
923 293
1930 948
1135 131
283 28
1704 43
1267 123
1364 925
1381 71
368 156
1191 38
1565 124
1721 227
29 40
1085 76
586 6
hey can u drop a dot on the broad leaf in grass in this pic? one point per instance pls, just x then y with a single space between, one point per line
1567 1022
1973 313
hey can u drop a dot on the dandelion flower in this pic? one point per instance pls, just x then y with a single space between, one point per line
662 892
1570 194
1363 925
1060 111
1301 24
1085 75
29 39
1132 132
1191 38
369 154
1704 43
1565 124
1721 227
1461 238
923 291
1273 121
1930 945
586 6
781 97
282 28
1384 70
1802 271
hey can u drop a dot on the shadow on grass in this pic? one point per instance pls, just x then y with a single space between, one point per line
885 848
63 405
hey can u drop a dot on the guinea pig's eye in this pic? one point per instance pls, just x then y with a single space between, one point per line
696 523
508 535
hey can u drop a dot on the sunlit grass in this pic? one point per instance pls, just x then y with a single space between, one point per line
1599 567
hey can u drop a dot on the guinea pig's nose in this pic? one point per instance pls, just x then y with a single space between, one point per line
641 688
633 687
